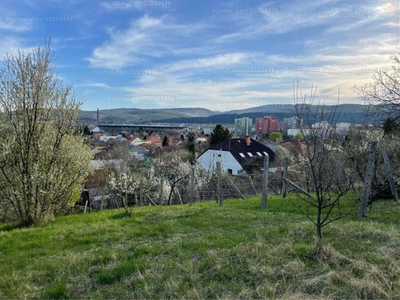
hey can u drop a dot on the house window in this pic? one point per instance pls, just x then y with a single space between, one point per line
249 153
242 155
230 171
259 154
265 153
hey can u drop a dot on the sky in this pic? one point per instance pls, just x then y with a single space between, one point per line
219 55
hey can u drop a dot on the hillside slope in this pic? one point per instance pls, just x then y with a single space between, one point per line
204 251
352 113
345 108
135 115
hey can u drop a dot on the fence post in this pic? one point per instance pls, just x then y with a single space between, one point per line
369 174
390 178
284 175
219 184
265 182
141 193
161 191
191 196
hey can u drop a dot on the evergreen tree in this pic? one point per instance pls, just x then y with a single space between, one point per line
390 125
219 134
191 146
165 141
86 130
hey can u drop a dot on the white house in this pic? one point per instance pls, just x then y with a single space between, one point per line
135 141
106 138
293 132
321 125
95 129
342 127
233 154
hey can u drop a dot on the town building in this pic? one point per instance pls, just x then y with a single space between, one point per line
243 126
342 127
235 155
266 125
291 123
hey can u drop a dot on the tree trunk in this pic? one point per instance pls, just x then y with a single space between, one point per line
369 174
170 194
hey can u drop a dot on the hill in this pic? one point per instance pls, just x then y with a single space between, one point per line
136 115
204 251
352 113
275 108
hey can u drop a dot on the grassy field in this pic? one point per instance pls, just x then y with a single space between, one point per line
204 251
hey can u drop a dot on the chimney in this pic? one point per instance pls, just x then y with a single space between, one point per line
247 140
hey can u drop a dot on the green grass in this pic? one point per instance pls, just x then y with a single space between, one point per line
204 251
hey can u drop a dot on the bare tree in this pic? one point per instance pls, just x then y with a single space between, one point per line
383 95
120 150
43 161
357 148
325 167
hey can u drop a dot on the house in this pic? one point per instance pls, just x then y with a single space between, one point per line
321 125
176 140
96 130
100 145
236 155
157 152
134 140
294 132
154 138
342 128
201 140
106 138
97 135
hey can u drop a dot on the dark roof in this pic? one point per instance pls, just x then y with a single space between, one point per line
240 150
101 143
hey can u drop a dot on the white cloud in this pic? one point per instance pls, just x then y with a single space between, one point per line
204 63
12 45
95 84
145 37
112 6
342 53
352 63
306 14
389 7
125 47
10 25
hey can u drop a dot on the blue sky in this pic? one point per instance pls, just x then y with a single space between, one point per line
220 55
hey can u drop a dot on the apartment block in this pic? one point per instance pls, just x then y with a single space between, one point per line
266 125
243 126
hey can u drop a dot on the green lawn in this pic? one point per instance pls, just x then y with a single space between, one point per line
204 251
